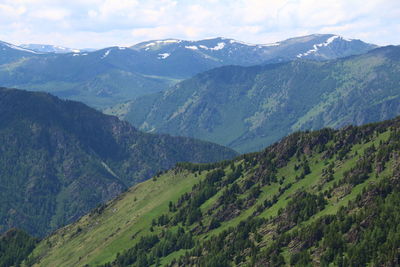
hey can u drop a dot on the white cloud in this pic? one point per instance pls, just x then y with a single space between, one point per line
51 13
99 23
11 11
109 8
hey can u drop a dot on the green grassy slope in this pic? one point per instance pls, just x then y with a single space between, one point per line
271 208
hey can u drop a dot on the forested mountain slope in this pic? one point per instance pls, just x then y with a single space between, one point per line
314 198
59 159
247 108
15 246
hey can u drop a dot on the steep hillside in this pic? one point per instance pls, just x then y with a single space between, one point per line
59 159
116 74
314 198
247 108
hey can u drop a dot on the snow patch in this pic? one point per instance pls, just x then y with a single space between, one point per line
317 46
163 55
271 44
192 47
121 47
345 39
219 46
158 42
106 54
330 40
169 41
240 42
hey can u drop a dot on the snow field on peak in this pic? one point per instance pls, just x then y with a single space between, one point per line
317 46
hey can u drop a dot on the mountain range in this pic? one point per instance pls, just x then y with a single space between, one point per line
247 108
59 159
183 59
82 188
113 75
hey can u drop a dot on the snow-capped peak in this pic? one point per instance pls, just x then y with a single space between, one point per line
330 40
158 42
317 46
18 48
47 48
232 41
168 41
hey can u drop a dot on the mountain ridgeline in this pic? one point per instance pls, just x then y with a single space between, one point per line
183 59
59 159
321 198
44 48
113 75
247 108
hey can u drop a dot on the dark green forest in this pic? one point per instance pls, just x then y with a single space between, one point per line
59 159
15 246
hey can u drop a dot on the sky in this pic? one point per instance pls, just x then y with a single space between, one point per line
102 23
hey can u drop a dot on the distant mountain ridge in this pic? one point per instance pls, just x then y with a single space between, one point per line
10 53
59 159
247 108
117 74
224 51
46 48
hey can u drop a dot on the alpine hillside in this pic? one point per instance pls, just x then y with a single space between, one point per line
322 198
247 108
59 159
